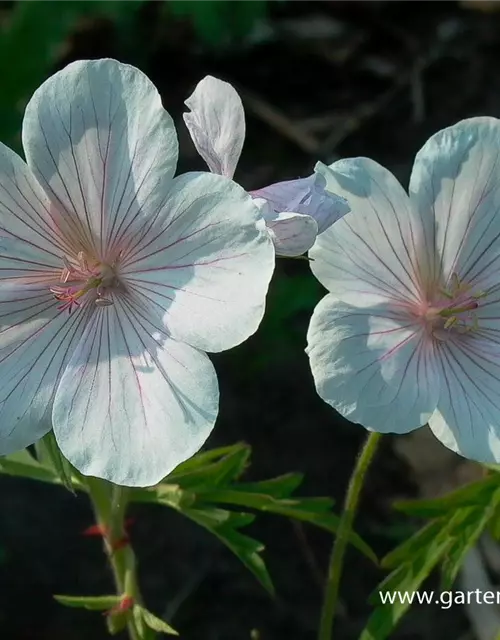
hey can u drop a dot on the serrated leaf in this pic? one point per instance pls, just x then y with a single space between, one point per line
93 603
316 511
155 623
224 525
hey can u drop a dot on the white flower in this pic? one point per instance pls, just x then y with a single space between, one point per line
410 331
295 211
115 277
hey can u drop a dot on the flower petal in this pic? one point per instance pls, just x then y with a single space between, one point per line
466 419
307 196
31 245
371 367
292 233
131 407
205 264
455 179
36 340
371 255
99 141
216 124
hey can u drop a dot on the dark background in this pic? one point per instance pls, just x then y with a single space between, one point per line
319 80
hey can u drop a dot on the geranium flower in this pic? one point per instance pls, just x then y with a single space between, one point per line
410 331
115 277
295 211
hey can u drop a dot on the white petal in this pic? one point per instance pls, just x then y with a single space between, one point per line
206 265
371 255
31 245
371 367
36 340
97 137
456 179
466 420
306 196
292 233
131 407
216 124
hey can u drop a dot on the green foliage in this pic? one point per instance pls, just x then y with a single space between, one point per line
206 489
92 603
145 617
48 453
457 521
204 486
279 333
220 23
34 34
30 43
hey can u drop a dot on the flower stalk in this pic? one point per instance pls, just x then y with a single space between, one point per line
109 503
345 527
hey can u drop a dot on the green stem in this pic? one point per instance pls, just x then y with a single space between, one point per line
110 503
343 533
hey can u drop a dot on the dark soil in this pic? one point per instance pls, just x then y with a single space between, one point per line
393 74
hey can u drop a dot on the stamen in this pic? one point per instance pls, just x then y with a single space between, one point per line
81 278
456 309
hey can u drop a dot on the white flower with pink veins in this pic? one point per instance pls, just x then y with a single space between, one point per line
410 331
115 277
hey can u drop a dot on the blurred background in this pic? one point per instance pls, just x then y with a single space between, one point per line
319 80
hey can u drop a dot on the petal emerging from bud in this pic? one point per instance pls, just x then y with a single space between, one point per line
216 124
292 233
307 196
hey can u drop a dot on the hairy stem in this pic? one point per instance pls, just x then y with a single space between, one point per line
110 503
345 527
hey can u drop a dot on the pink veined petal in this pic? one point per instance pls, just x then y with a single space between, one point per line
132 406
466 419
306 196
371 367
216 124
36 340
99 141
373 254
205 265
455 181
31 245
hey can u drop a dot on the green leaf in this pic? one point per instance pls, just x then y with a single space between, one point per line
473 524
170 495
24 465
316 511
471 495
225 524
201 471
155 623
279 487
94 603
50 455
459 520
406 578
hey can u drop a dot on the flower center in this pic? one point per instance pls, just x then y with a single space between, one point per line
81 279
453 310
